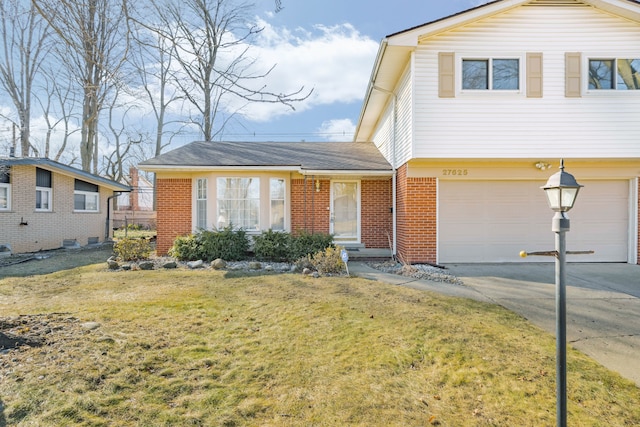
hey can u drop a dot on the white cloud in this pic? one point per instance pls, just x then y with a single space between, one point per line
333 61
339 130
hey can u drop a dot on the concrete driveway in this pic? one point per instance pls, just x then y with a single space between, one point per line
603 304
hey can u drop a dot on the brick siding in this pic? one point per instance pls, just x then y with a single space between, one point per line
376 215
310 208
174 211
416 218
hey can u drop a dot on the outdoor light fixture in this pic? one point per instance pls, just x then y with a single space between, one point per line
562 190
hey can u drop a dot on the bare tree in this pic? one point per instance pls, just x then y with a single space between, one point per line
209 41
58 103
24 36
94 46
152 60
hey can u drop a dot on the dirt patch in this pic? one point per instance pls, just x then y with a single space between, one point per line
45 262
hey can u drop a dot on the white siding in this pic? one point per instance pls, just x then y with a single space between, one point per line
404 131
383 135
505 125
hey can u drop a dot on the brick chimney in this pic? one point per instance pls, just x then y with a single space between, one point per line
133 174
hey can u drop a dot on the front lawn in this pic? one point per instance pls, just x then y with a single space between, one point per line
184 347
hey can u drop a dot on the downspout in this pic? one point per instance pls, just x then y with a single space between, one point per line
106 226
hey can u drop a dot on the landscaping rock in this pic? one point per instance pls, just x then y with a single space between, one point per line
146 265
255 265
90 326
126 267
170 264
268 268
113 264
306 271
195 264
218 264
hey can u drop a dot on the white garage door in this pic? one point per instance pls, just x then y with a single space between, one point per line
492 221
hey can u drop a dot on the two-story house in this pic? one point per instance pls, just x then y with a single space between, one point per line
471 114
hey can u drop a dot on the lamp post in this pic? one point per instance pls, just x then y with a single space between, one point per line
561 190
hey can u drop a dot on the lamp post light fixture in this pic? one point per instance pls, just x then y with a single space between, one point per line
561 190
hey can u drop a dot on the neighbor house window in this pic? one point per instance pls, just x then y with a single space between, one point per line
614 74
491 74
201 203
239 203
86 196
43 190
277 196
5 191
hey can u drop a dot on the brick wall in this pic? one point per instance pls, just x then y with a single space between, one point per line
174 211
310 208
416 218
376 216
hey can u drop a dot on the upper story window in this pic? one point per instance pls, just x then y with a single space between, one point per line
614 74
43 190
86 197
201 203
238 202
5 190
491 74
277 196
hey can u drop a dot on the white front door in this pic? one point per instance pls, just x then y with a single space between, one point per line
345 211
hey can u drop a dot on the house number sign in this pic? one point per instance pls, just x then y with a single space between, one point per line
455 172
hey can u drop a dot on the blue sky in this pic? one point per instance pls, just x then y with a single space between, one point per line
330 46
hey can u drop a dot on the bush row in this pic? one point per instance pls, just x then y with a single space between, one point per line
233 245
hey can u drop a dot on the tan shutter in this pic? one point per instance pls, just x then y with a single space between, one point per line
446 75
534 75
572 74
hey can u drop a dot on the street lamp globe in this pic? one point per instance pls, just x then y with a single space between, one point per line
561 190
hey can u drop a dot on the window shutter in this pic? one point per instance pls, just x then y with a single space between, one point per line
572 74
446 75
534 75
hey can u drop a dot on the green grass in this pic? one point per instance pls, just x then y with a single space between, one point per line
201 348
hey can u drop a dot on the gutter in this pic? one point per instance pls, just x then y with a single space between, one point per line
372 81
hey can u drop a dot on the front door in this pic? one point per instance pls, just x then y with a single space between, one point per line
345 211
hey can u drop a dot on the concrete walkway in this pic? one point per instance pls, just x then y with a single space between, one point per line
603 302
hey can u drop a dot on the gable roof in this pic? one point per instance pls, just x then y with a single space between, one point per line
395 49
304 157
63 169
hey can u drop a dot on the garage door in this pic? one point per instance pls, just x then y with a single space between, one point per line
492 221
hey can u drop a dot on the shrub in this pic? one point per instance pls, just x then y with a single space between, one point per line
132 249
328 261
273 246
226 243
185 248
208 245
305 243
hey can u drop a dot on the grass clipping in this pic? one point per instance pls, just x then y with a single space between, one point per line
199 348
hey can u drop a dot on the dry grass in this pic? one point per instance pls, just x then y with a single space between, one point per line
199 348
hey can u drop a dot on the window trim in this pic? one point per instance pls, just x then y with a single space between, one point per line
204 199
227 221
606 57
6 186
86 194
49 191
522 68
284 204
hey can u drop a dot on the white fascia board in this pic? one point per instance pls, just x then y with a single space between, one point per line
173 168
348 172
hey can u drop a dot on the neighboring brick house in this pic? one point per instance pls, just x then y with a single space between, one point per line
136 206
47 205
464 118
